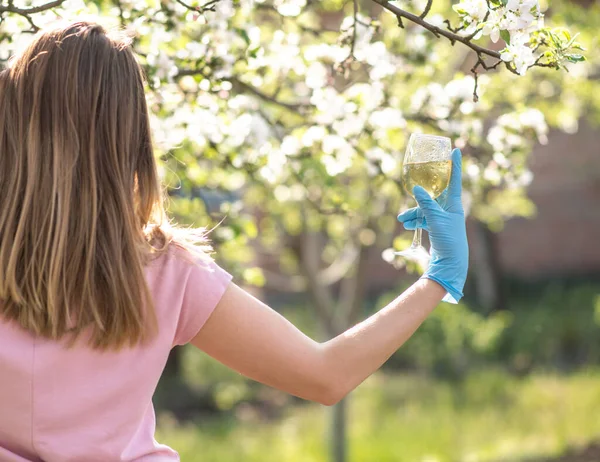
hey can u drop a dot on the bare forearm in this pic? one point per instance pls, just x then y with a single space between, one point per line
249 337
353 356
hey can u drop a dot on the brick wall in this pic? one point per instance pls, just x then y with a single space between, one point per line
563 239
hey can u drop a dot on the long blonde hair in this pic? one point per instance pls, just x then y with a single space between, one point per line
81 205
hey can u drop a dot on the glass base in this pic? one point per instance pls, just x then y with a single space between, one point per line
418 253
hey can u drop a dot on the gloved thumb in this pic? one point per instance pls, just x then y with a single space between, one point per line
425 201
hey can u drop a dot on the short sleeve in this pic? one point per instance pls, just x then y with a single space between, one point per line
205 285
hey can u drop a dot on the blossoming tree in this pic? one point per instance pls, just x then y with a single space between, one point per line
287 118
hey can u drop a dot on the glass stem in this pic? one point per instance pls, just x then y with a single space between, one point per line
416 243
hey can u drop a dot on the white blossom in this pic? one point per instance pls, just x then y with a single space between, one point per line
260 131
520 55
525 178
433 100
290 7
333 53
382 62
517 17
461 88
387 162
223 11
534 118
339 163
313 134
475 9
165 66
350 125
339 154
501 160
473 171
519 13
493 25
329 103
316 75
290 145
387 118
370 95
238 130
276 161
492 175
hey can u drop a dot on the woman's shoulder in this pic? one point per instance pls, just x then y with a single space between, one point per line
182 265
180 255
187 285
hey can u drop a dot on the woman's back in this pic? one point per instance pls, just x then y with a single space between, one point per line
81 398
86 255
96 287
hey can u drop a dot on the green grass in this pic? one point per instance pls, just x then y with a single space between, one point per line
488 417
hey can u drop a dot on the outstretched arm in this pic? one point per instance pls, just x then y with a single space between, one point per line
251 338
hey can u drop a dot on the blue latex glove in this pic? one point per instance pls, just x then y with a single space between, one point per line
444 220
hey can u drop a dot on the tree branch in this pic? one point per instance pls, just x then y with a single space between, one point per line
454 37
208 6
10 8
453 29
298 108
481 63
340 267
27 12
344 66
437 31
427 9
354 31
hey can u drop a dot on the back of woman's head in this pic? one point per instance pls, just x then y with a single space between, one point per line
80 201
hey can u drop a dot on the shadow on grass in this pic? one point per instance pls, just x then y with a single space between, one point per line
588 454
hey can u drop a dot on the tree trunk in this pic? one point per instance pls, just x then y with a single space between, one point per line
337 438
487 271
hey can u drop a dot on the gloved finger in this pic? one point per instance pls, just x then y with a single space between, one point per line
426 203
455 188
411 225
410 214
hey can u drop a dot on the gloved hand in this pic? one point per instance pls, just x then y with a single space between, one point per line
444 220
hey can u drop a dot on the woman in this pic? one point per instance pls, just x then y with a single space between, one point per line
96 287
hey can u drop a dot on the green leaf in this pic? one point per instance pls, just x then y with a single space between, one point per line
575 58
505 36
460 11
243 34
571 41
554 38
253 52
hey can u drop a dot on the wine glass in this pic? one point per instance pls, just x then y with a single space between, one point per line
427 163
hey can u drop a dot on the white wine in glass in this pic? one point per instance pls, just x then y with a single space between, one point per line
427 163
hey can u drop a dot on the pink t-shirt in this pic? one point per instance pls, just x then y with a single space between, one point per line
60 405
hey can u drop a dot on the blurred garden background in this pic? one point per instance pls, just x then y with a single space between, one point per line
280 125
